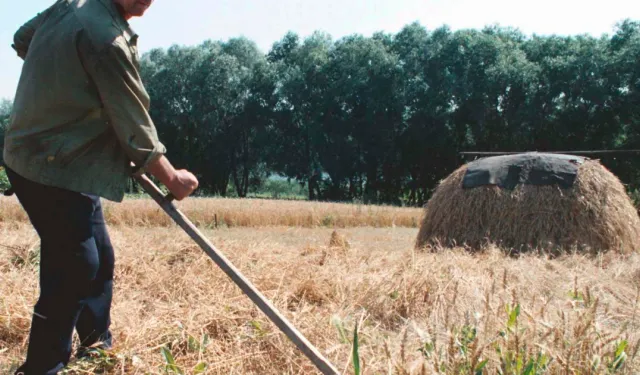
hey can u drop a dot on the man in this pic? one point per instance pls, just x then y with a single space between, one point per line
79 122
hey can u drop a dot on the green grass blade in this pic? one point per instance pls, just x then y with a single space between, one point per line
530 369
480 367
171 362
621 347
356 351
200 367
168 357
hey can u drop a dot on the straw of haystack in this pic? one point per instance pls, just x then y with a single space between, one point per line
596 214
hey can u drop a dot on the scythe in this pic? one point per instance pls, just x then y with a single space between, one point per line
256 297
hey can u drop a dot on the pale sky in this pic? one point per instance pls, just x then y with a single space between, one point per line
189 22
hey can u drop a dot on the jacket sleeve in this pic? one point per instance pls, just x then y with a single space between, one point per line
126 103
22 37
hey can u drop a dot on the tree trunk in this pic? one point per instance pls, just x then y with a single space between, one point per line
245 161
234 173
370 188
312 178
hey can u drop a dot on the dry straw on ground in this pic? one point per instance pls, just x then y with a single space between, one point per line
595 214
417 313
447 312
229 213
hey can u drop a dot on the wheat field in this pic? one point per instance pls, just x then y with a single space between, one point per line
330 268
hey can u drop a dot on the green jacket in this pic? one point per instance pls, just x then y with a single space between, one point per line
80 115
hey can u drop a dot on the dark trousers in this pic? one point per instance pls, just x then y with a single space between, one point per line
76 274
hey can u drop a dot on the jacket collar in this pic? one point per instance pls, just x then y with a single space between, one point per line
120 21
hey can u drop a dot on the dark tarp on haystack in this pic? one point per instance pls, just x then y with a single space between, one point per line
533 168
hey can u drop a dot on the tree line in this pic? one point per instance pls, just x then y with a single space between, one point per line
382 119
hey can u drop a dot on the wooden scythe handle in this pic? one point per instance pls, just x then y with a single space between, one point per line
267 308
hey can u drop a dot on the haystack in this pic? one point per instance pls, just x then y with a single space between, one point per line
532 201
339 241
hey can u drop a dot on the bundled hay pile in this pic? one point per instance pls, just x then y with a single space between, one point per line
339 241
532 201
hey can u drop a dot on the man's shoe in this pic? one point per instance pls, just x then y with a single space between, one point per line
84 352
22 370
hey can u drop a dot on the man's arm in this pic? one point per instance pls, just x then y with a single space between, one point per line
22 37
125 102
181 183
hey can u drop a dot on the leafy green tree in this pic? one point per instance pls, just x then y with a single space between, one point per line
364 118
623 52
5 113
246 133
301 89
383 118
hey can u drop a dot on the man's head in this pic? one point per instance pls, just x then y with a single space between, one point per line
133 8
